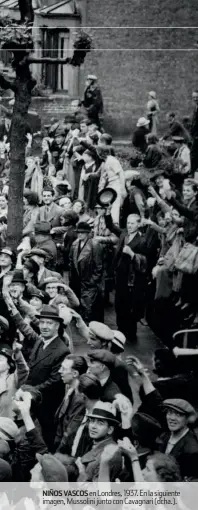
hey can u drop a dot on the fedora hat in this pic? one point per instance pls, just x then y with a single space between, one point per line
49 312
33 291
106 197
7 251
18 277
83 228
104 411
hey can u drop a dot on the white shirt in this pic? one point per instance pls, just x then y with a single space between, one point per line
174 440
47 342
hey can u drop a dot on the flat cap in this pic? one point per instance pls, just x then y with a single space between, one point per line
180 405
100 330
38 252
104 356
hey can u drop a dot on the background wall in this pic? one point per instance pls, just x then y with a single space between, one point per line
127 71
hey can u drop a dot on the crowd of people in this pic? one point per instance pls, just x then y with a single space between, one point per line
94 231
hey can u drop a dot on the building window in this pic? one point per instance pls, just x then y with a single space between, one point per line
55 43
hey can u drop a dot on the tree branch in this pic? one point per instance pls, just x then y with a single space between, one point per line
6 84
48 60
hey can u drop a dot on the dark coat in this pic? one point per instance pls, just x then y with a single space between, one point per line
93 101
91 461
44 364
24 455
190 214
185 452
139 139
68 418
86 276
109 390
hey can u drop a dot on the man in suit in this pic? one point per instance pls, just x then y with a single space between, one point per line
72 408
97 363
40 257
86 277
180 441
93 101
47 354
50 211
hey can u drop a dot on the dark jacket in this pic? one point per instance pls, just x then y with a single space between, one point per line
24 455
93 101
68 418
44 364
109 390
91 461
86 275
139 139
190 214
185 452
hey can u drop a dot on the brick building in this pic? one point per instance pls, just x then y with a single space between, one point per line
138 46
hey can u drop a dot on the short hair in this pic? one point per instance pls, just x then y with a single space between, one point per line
31 197
166 467
81 202
49 188
79 363
191 183
84 121
172 114
90 386
106 138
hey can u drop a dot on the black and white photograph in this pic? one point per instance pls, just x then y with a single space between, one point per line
98 246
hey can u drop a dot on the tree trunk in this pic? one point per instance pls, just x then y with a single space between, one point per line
18 141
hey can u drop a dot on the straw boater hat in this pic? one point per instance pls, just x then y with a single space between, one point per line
104 411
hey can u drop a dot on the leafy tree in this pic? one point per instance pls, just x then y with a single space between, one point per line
17 38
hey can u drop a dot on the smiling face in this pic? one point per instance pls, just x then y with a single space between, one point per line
48 328
133 223
52 290
16 290
99 429
47 197
188 192
176 421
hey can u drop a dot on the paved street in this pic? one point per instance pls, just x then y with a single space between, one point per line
143 348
